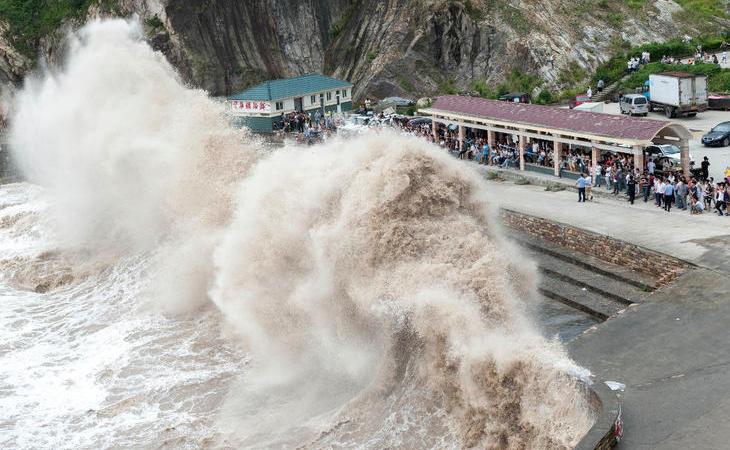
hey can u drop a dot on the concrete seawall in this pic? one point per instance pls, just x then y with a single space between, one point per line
608 429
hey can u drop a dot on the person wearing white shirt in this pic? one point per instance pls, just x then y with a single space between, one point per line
651 166
662 188
657 193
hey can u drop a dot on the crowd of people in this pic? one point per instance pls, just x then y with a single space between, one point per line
616 173
303 122
694 195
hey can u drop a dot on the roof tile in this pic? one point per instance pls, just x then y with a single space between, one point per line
599 124
290 87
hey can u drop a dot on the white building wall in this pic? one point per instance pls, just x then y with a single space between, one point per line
306 102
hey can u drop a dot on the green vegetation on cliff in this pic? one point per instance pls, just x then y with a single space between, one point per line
615 68
718 80
29 20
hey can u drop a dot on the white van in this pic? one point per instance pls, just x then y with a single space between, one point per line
634 104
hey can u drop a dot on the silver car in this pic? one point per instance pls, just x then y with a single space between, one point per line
634 105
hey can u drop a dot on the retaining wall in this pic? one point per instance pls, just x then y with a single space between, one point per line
661 267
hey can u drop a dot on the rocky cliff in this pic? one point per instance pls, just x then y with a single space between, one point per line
385 47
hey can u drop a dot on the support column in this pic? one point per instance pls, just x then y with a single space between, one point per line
684 157
594 156
462 132
639 158
522 151
557 154
490 141
433 130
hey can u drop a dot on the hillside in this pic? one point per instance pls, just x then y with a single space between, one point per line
401 47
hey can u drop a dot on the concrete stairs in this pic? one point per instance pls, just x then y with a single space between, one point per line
585 283
609 90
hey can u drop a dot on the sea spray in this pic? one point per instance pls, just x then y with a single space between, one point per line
131 158
366 257
367 279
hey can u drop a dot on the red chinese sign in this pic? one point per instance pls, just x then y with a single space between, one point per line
250 106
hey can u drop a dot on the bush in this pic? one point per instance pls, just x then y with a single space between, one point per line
545 97
494 176
484 91
154 22
29 20
554 187
447 86
522 181
720 82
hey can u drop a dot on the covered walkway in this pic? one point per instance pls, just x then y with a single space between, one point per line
536 128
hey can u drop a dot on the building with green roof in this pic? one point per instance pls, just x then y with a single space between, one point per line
260 106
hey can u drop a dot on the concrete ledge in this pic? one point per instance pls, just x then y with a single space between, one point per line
540 179
608 429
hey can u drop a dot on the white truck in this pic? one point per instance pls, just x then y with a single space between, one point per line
677 93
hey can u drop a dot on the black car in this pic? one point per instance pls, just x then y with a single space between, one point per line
720 135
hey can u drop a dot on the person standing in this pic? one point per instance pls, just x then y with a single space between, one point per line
681 194
705 168
617 176
589 92
668 196
631 189
644 186
597 175
485 154
581 183
601 84
609 177
660 192
651 166
721 198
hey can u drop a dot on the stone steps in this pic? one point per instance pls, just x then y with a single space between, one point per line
583 299
584 276
621 274
582 282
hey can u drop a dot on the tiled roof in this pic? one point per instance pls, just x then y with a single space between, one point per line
584 122
290 87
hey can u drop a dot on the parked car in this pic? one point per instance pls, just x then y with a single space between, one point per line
398 101
634 104
666 165
516 97
419 121
719 135
579 100
668 150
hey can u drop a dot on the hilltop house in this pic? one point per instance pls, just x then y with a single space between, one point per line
260 106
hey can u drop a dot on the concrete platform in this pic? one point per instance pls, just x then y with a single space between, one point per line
671 353
702 240
670 350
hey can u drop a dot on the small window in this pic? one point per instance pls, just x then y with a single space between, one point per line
640 101
337 92
312 99
329 96
344 93
279 106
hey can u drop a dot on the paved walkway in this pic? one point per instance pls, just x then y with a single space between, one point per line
703 240
672 350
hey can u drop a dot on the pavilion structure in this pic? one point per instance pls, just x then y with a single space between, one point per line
592 132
